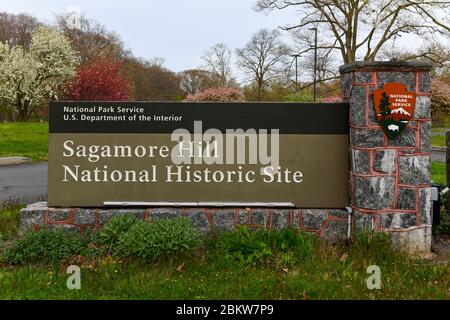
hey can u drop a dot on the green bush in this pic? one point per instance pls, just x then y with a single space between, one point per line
261 246
48 246
113 229
161 239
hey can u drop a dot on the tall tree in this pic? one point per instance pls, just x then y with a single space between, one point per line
358 29
17 29
30 78
438 54
151 80
264 59
217 60
91 40
195 80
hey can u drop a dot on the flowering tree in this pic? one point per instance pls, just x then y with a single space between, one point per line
29 78
440 97
217 95
100 80
332 99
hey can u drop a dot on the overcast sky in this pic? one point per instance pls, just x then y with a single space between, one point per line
176 30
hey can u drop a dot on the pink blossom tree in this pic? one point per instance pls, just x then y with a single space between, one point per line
224 94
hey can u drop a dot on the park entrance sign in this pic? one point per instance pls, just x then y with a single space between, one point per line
198 154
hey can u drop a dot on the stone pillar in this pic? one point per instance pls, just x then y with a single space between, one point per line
390 178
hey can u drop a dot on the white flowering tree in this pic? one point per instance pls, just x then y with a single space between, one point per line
30 78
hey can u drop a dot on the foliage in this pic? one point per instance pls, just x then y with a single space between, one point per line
255 247
30 78
440 97
110 233
217 95
100 80
47 246
299 96
330 272
156 240
241 264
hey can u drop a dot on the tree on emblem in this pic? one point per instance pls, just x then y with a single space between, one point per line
384 106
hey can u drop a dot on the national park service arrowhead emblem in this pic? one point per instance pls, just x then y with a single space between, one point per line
394 107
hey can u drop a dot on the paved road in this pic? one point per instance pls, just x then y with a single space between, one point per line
23 183
438 156
28 182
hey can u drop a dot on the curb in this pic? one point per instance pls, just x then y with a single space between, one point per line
443 149
6 161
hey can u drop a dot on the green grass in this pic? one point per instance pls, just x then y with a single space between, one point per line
439 129
438 174
438 141
24 139
9 221
276 265
212 276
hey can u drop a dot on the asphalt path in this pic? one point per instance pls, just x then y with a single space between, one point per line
24 183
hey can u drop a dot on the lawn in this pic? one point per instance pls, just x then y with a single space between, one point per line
438 174
438 141
324 277
24 139
322 272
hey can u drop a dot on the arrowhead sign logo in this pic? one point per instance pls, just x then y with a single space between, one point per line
394 107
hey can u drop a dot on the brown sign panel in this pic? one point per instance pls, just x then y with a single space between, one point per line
198 153
394 107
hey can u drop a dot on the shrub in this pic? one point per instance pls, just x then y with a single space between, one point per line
161 239
264 246
217 95
47 246
113 229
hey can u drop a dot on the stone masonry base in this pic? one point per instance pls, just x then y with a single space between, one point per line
330 224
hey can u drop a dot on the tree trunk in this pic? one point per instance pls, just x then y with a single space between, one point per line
23 113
